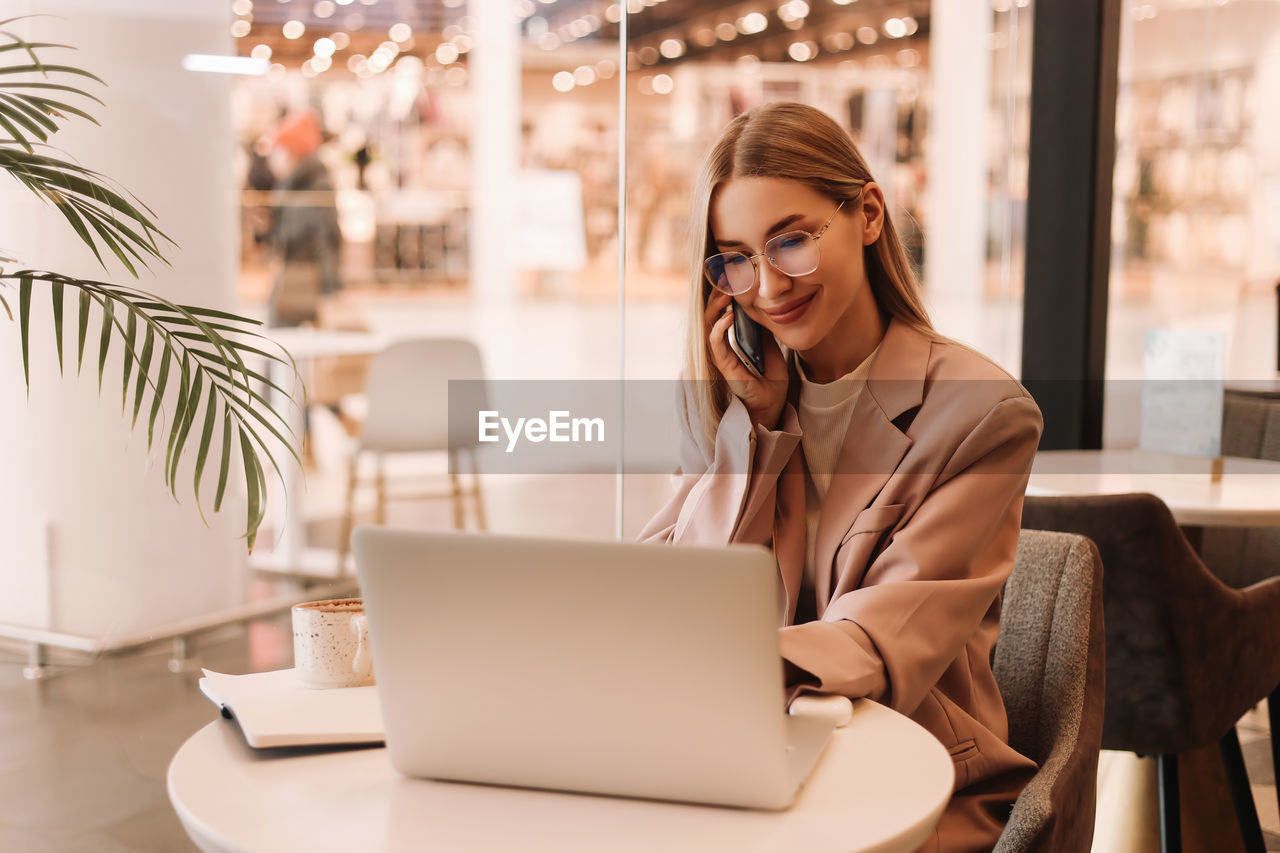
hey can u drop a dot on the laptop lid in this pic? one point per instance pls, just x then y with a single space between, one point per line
633 669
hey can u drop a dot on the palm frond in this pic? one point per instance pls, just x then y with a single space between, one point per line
213 379
109 220
213 362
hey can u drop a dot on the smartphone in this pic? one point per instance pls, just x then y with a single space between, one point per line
747 343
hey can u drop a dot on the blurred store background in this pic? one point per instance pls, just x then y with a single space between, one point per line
390 169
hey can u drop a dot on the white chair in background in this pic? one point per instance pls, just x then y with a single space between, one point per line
408 412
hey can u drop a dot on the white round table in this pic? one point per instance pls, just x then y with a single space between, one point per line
1244 493
881 786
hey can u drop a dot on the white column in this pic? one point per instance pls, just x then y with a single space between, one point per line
93 542
495 149
959 109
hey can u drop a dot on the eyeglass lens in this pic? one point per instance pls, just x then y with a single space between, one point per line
793 253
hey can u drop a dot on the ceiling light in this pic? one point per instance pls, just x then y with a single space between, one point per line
293 29
324 47
868 35
324 9
801 51
261 51
562 82
753 23
400 32
726 32
584 75
224 64
672 48
446 53
240 28
663 84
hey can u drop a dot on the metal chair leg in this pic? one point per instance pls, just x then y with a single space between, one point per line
1241 793
1170 817
1273 715
455 493
348 515
477 499
380 485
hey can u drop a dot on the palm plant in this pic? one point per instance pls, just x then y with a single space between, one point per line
207 357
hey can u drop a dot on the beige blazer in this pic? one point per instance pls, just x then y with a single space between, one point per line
916 538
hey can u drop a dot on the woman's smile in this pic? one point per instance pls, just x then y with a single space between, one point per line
789 312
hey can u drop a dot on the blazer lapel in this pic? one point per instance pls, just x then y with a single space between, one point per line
873 446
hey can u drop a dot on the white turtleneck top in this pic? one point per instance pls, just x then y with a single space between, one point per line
824 411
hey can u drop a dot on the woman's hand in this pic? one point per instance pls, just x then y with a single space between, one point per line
764 398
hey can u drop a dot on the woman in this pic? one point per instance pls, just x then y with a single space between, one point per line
883 463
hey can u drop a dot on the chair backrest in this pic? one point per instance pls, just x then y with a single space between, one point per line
408 393
1185 652
1250 427
1049 663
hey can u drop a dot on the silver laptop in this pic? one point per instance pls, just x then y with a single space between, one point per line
635 670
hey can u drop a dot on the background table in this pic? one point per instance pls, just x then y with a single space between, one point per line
881 786
1247 494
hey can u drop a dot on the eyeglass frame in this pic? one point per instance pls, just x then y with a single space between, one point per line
755 266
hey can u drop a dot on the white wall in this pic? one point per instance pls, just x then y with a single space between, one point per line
93 542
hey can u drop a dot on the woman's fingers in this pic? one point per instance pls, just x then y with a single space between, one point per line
715 307
724 358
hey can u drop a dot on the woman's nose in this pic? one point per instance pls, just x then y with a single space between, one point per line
772 282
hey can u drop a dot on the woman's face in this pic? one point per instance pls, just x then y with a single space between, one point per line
831 305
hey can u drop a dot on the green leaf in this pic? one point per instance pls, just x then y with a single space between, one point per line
82 329
46 69
130 336
4 303
184 427
52 107
104 339
255 486
224 464
161 381
144 367
198 311
184 390
206 437
56 293
14 132
24 328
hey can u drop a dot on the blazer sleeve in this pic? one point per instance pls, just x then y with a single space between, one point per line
926 595
727 492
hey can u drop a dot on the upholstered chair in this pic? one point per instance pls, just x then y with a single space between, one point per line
1049 663
1187 655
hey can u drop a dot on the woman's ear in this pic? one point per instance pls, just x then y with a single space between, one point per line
872 207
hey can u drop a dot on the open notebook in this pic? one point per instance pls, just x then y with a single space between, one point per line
275 709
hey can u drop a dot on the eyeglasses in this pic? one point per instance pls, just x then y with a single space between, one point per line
793 253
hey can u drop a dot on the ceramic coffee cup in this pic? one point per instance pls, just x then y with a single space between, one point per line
331 643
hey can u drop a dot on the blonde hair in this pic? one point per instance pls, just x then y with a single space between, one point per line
800 143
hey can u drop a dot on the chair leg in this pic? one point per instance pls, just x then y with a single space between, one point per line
348 515
1273 715
1170 817
455 493
478 499
1241 793
380 486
